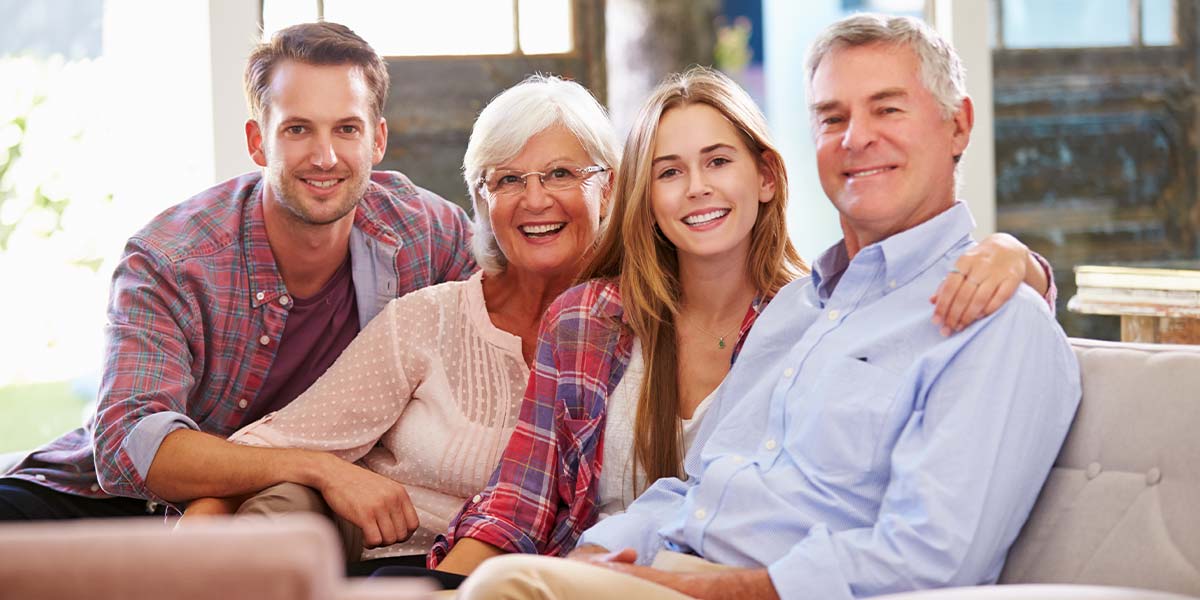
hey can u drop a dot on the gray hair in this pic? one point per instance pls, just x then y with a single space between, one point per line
941 70
509 121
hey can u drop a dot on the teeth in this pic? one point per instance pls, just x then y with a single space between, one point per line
322 184
869 173
542 229
706 217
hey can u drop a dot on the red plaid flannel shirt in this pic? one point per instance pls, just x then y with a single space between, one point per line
543 493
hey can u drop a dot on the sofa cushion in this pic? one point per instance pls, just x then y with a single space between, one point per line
1120 506
293 557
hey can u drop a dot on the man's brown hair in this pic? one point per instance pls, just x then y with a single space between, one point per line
322 43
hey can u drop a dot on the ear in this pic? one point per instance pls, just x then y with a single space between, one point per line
963 120
381 134
766 175
254 143
606 192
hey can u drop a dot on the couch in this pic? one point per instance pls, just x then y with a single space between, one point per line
1118 516
1121 507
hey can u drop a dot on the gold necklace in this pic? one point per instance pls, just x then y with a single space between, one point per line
720 338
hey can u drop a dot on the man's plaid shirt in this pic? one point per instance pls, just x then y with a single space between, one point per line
195 316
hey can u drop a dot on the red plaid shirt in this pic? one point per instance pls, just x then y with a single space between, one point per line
544 491
195 319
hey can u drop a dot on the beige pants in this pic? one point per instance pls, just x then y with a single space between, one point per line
292 498
528 577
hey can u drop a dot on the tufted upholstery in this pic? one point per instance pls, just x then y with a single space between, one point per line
1122 505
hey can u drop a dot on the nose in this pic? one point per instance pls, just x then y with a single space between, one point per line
323 156
859 134
535 198
698 184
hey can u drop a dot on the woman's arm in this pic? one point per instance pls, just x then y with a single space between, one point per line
985 277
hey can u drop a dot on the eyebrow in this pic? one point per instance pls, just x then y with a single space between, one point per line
887 94
704 150
552 162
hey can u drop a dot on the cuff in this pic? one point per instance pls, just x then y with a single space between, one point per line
141 445
810 570
625 530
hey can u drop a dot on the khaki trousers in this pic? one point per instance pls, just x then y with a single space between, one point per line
286 498
528 577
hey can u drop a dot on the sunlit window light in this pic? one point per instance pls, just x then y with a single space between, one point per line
446 28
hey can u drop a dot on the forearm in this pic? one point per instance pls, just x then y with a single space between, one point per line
190 464
734 584
466 555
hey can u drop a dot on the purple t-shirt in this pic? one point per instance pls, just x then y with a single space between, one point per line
318 328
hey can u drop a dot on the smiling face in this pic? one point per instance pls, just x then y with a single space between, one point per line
885 152
319 141
706 185
540 231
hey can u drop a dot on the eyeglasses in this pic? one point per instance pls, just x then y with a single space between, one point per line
557 179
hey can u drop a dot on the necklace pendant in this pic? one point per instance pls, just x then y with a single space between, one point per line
721 343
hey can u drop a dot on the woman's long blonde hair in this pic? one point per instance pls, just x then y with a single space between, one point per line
646 266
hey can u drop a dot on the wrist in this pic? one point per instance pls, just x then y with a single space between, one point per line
307 467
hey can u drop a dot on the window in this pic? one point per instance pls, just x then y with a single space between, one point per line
1084 23
445 28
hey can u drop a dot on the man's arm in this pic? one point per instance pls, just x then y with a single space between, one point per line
989 416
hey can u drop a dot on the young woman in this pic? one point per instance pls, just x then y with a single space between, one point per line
628 361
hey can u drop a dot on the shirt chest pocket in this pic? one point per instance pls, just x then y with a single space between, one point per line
843 416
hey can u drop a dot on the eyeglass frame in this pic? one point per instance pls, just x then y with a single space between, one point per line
584 172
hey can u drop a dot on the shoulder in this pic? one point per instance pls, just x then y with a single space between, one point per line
594 298
393 198
443 300
203 224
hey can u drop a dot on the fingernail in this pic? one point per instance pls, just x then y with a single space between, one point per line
937 320
945 332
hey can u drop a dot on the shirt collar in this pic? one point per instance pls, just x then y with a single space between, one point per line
265 282
905 255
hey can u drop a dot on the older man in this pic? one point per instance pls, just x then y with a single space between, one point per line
854 450
227 306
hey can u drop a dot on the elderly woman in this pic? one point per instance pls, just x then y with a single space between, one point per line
428 393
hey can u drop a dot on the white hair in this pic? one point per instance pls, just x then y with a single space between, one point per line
508 122
941 70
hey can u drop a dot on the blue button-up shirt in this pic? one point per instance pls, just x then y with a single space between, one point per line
853 450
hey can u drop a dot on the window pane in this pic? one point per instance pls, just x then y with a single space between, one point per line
278 14
1158 22
545 26
420 28
1066 23
912 8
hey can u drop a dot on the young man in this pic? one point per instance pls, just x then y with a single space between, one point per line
854 451
226 307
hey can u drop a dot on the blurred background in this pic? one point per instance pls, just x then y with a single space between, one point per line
112 110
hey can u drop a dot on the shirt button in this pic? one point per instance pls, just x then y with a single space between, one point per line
477 498
242 403
892 284
834 314
260 296
284 300
700 514
264 340
39 477
770 445
95 487
737 459
788 372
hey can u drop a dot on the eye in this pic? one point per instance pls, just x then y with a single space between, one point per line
561 173
294 129
347 129
888 110
827 121
668 173
507 180
719 161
